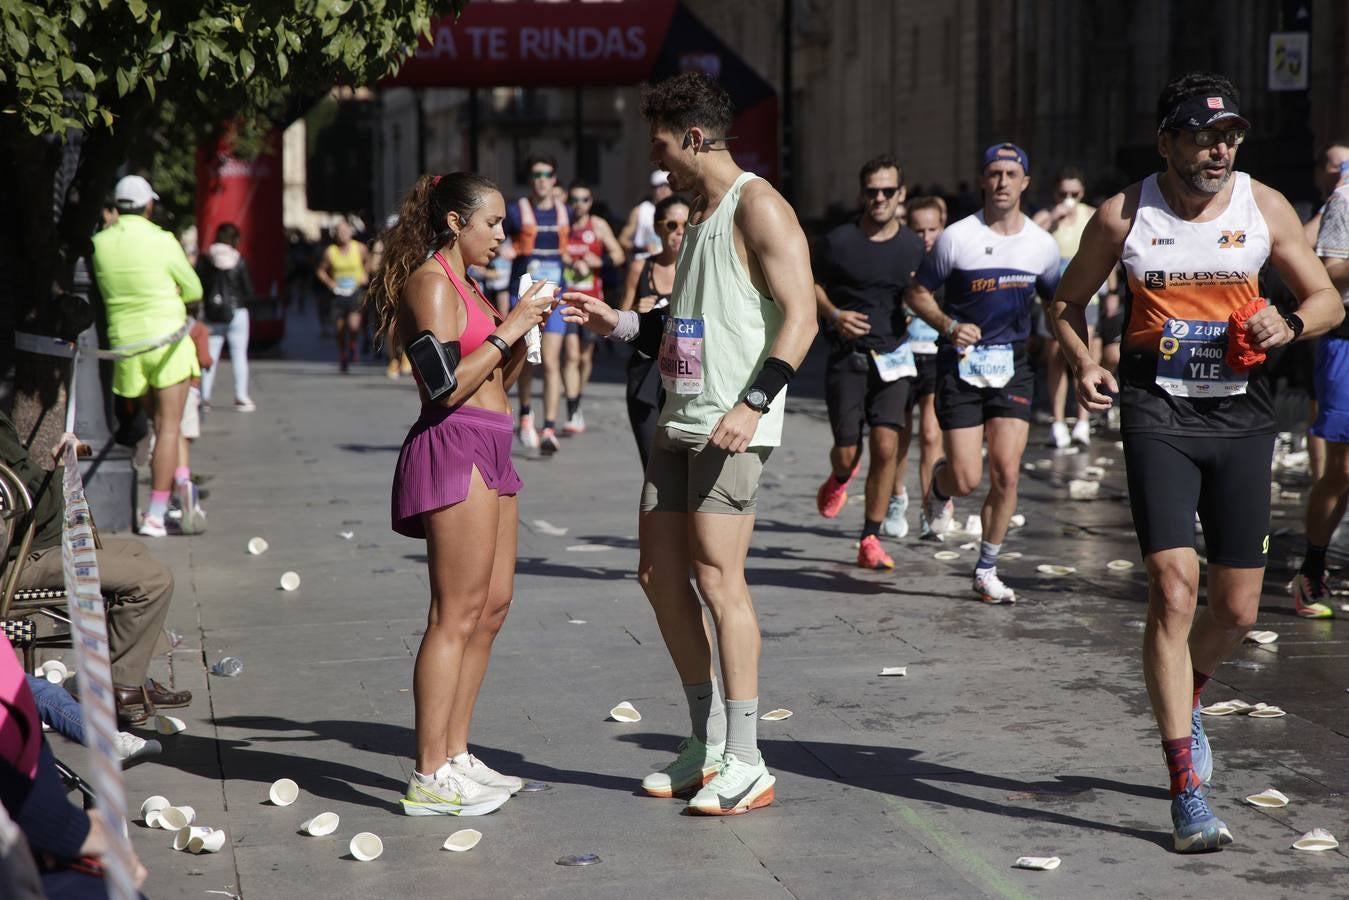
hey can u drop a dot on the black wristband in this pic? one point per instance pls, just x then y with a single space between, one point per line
501 345
1295 322
775 375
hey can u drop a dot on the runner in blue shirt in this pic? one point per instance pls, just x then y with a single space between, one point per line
992 264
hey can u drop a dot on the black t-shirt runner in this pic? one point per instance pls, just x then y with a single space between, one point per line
866 276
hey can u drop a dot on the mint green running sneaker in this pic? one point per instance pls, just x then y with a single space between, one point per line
695 765
451 794
737 788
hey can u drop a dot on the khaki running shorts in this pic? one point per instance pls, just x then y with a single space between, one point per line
685 475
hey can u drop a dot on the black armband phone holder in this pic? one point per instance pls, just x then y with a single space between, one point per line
435 362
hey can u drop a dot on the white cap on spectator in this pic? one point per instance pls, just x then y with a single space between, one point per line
133 191
659 178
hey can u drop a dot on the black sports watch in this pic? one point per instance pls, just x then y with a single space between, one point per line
1295 322
757 400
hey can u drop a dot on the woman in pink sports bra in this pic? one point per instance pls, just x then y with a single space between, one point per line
455 484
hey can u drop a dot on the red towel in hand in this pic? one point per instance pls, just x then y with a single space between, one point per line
1242 354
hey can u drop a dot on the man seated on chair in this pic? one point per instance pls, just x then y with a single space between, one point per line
138 586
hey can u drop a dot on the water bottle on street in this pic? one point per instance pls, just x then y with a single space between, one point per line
229 667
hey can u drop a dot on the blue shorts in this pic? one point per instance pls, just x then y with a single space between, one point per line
555 324
1332 390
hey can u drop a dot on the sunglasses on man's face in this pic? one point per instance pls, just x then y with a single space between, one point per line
670 226
1207 137
542 173
887 192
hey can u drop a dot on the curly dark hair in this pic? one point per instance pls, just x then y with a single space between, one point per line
688 100
1194 84
419 231
875 164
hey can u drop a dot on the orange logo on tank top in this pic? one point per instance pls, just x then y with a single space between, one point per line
1229 239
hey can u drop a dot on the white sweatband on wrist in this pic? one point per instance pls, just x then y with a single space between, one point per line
629 322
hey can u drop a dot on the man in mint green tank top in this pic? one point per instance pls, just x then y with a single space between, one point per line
741 318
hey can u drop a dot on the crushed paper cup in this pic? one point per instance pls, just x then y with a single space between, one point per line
153 804
895 670
970 546
176 818
346 535
776 715
283 792
548 528
1008 557
1226 708
52 670
366 846
290 581
588 548
625 712
153 820
1316 840
463 840
1269 798
1049 569
1079 489
1119 565
257 546
576 621
1260 711
211 842
946 555
1042 863
1094 472
170 725
1262 637
1044 463
183 836
1017 521
322 825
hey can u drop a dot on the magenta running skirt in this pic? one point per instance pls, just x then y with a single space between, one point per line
437 460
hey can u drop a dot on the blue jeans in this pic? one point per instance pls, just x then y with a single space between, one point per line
236 332
57 708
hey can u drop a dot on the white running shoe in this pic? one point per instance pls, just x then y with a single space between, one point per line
895 524
1060 437
245 405
129 746
938 514
737 788
990 588
696 765
152 527
528 435
576 424
1082 433
451 794
479 771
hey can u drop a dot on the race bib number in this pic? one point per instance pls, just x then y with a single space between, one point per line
896 364
345 286
1191 360
681 356
922 337
987 366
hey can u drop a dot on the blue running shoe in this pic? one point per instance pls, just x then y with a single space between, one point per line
1197 829
1200 754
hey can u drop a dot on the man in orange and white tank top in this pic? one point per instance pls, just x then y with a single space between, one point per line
1196 401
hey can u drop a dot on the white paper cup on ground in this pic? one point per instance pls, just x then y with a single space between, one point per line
176 818
366 846
325 823
53 670
1268 798
895 670
1316 841
257 546
211 842
153 805
1262 637
1018 521
183 837
1043 863
1261 711
1050 569
463 840
170 725
283 792
1119 565
776 715
290 581
946 555
625 712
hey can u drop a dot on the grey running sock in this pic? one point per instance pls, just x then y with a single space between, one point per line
706 712
742 729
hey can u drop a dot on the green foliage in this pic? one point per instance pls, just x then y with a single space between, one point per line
82 64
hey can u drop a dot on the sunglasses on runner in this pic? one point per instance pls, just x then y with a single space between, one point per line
670 225
1207 137
888 192
542 173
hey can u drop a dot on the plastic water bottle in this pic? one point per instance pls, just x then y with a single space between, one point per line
228 667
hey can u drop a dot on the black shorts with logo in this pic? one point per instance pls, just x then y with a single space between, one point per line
856 396
1224 479
962 405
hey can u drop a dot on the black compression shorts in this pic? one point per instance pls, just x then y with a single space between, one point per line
1224 479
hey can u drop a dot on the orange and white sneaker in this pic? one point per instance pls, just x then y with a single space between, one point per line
737 788
1311 597
871 555
576 424
529 437
696 765
990 588
832 495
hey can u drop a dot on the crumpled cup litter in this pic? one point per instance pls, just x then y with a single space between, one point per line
1262 637
1050 569
1264 711
325 823
1119 565
1043 863
626 713
257 546
776 715
895 670
198 839
176 818
170 725
283 792
946 555
1078 489
152 806
1226 708
1269 798
463 840
366 846
290 581
1018 521
1316 841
